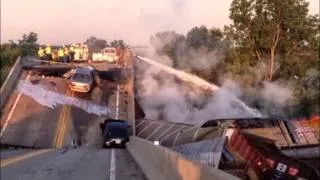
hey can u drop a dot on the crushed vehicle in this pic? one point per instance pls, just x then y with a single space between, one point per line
82 79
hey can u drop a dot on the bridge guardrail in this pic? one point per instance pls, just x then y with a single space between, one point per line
10 81
160 163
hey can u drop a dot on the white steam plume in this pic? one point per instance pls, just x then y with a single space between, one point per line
184 101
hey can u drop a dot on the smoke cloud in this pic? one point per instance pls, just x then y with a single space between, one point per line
164 96
272 99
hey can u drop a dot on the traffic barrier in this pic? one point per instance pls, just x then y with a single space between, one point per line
10 81
160 163
131 94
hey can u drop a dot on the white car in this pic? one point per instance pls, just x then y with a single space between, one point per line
82 80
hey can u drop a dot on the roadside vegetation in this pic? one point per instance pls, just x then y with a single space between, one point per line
268 42
10 52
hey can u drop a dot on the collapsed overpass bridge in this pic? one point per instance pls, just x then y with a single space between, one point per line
56 132
49 132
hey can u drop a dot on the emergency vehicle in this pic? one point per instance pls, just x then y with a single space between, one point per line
81 52
108 54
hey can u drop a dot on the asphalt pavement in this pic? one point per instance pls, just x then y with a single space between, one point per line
68 138
77 164
25 122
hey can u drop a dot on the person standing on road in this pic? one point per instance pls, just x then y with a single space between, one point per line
61 55
48 52
86 52
76 52
66 54
41 53
55 56
71 52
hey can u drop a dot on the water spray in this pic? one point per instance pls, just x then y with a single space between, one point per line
201 83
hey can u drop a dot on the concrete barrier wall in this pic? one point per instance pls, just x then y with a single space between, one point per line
131 103
10 81
160 163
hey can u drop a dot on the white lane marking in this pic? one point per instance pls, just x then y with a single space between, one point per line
184 131
154 131
176 138
172 133
117 102
140 123
146 127
12 110
195 135
165 132
112 166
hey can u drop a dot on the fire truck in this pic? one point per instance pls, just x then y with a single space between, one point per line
81 52
108 54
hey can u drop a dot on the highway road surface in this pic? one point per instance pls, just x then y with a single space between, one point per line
77 164
27 122
67 135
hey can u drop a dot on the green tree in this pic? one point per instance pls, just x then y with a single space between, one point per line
198 37
28 44
307 94
271 30
215 39
168 43
118 44
96 44
8 56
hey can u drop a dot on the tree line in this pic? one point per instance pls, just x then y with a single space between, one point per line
267 41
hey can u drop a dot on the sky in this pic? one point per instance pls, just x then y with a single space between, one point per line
68 21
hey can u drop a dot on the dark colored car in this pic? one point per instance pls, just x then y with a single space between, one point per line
115 133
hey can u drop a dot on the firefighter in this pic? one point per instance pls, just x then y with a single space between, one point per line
76 52
61 55
66 54
54 56
48 52
41 53
80 51
71 53
86 52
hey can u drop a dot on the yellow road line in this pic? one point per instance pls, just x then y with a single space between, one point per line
57 134
60 124
67 118
64 125
63 128
12 160
58 129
